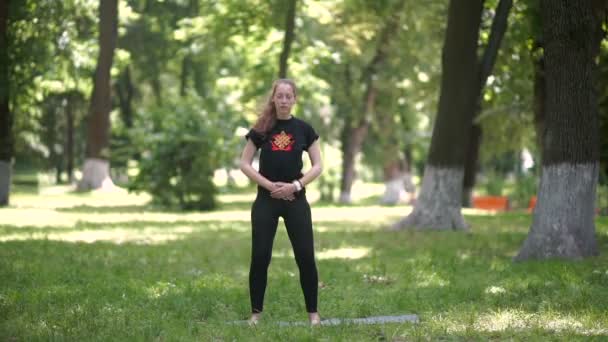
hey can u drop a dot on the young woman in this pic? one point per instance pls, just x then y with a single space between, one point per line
281 192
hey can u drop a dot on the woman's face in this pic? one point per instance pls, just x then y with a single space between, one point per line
283 98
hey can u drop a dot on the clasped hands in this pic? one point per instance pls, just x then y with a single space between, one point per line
282 190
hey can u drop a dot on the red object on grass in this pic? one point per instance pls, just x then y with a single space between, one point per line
498 203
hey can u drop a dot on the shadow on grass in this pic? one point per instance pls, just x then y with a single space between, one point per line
118 209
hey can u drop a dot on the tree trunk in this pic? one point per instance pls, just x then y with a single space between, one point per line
200 75
69 137
96 166
393 182
539 101
49 121
353 141
6 118
439 203
408 183
156 89
563 224
289 36
603 122
125 91
183 83
497 32
471 165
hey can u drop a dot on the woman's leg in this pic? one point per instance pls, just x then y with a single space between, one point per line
264 219
299 228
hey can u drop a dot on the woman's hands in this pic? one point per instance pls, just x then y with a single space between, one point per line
283 191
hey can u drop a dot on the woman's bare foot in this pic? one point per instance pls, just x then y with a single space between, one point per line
314 318
254 319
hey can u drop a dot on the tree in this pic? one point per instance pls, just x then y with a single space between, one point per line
439 203
6 120
603 103
96 169
486 64
563 224
355 130
289 35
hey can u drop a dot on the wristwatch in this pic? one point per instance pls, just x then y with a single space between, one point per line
298 185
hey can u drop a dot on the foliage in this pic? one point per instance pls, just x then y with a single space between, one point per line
507 116
224 55
524 188
184 145
494 184
52 52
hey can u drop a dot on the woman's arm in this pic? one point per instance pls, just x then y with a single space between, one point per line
314 153
249 171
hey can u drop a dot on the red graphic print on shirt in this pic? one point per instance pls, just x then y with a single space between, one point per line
282 141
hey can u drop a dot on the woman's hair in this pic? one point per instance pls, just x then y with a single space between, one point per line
268 114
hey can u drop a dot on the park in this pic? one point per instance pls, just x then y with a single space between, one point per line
456 169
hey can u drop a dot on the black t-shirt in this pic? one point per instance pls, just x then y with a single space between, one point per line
281 149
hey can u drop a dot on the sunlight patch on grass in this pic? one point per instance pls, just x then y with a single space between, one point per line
52 218
376 214
462 255
344 253
231 198
55 199
516 321
351 253
494 290
430 279
519 320
477 212
321 228
161 289
217 281
30 217
502 320
145 236
36 218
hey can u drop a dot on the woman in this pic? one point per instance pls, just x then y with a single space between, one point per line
281 192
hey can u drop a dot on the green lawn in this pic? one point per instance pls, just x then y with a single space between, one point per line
108 267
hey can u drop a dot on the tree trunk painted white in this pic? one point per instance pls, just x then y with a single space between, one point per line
396 188
96 168
345 197
393 189
5 182
96 175
230 181
438 206
563 225
439 201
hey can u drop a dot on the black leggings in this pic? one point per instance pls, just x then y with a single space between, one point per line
265 214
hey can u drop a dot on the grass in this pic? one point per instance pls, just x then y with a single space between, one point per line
108 267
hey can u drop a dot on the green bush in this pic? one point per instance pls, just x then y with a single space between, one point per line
494 184
524 188
182 147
